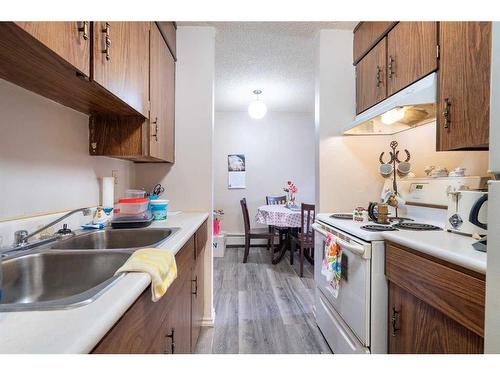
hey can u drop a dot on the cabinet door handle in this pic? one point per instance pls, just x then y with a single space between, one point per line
107 41
84 29
155 123
171 336
195 281
394 321
390 70
379 76
447 113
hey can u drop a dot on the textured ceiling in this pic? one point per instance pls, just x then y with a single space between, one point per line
275 57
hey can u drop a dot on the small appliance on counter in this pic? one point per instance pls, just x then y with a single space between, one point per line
467 212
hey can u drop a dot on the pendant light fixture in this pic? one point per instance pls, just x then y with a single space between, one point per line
257 109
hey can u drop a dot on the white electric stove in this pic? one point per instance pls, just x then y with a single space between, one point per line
356 320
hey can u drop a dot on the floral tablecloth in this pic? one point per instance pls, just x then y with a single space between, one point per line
278 215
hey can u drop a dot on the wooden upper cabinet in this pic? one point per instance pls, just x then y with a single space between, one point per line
366 35
121 61
70 40
411 53
162 99
371 78
464 85
168 30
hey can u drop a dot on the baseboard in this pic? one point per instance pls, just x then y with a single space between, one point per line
208 321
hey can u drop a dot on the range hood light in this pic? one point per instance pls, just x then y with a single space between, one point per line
413 106
392 116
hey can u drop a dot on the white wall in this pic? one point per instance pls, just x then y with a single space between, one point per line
421 142
347 167
277 148
45 166
189 182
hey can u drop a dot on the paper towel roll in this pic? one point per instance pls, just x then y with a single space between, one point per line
108 192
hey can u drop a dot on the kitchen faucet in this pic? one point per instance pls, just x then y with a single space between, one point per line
21 236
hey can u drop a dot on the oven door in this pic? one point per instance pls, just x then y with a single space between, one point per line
353 301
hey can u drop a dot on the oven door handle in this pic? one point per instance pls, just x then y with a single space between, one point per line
357 250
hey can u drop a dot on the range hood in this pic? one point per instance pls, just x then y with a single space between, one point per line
409 108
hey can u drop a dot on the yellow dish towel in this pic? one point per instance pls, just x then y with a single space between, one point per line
159 264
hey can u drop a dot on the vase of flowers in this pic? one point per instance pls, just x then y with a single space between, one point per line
290 189
217 217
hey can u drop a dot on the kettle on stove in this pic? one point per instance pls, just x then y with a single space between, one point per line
378 212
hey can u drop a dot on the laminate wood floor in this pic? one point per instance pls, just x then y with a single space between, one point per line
261 308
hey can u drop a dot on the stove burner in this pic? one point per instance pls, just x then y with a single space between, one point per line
377 228
342 216
399 219
416 226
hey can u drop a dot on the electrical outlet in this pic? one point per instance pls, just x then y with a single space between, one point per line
114 173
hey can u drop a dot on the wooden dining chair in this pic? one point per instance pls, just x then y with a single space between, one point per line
253 233
304 238
281 232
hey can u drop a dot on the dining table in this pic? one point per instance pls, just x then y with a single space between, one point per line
281 217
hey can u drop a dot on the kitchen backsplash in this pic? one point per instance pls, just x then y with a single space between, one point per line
45 166
421 142
7 228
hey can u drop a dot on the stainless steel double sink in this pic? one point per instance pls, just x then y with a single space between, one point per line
71 272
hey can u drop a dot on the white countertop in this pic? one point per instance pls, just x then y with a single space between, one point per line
451 247
78 330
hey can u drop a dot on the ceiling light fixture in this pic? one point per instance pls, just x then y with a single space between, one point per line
257 109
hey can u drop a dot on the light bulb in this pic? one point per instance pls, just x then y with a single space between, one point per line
257 109
394 115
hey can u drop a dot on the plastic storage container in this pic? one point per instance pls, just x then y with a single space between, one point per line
135 193
131 206
132 221
159 208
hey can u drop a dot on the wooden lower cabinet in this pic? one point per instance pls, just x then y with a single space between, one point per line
169 326
416 327
434 307
177 326
197 298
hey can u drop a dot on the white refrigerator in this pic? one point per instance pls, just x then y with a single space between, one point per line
492 324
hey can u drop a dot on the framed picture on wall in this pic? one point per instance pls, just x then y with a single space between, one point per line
236 168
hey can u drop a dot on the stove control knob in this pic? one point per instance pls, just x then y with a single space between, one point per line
455 221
